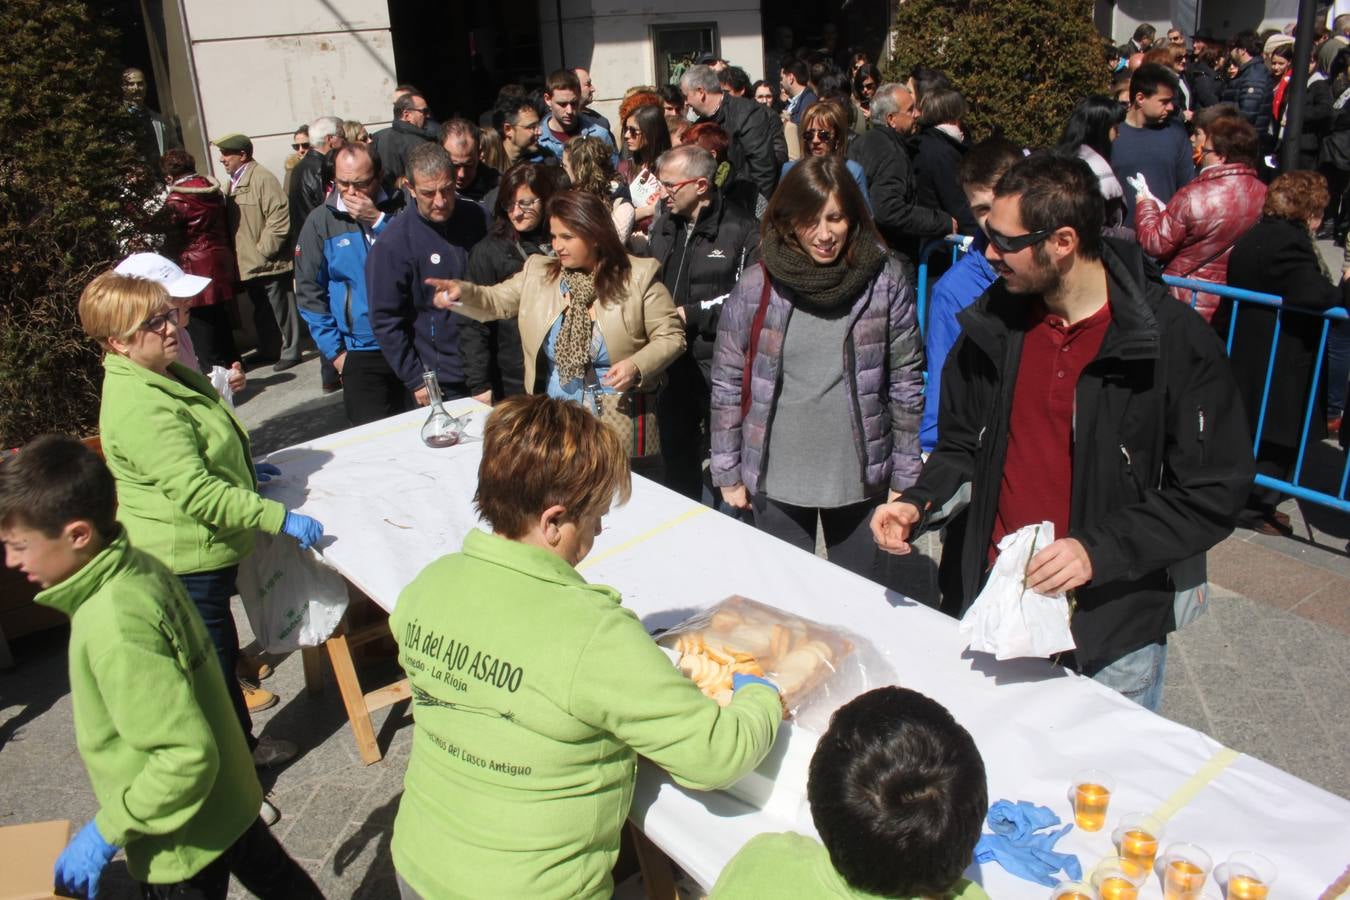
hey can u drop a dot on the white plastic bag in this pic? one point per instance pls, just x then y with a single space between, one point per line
1010 621
291 598
220 380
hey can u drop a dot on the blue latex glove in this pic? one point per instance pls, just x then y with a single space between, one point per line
738 681
82 862
266 472
303 528
1017 847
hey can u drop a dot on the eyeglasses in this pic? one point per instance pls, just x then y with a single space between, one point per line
672 188
421 109
824 135
524 205
632 130
303 146
1006 244
157 322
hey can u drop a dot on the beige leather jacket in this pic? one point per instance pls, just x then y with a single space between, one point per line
641 326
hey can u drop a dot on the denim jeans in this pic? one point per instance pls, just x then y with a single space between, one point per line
1338 366
211 593
260 863
1138 675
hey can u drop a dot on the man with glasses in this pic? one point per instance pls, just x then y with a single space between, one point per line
885 156
703 242
394 143
1081 393
330 282
563 96
518 121
260 225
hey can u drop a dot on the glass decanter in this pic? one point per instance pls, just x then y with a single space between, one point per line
441 428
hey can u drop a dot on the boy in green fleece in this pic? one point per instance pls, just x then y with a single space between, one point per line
898 795
153 722
535 692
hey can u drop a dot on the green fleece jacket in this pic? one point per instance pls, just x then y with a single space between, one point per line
153 721
533 694
793 865
186 489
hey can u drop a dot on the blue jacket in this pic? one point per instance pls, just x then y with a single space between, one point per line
589 128
412 332
961 286
330 274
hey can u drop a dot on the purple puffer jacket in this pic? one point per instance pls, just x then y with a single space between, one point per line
883 361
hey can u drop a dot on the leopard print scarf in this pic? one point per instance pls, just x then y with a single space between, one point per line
572 352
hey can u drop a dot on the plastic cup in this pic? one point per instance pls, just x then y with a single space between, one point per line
1074 890
1250 876
1091 795
1118 878
1185 868
1137 838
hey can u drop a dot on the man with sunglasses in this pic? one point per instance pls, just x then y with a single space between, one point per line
409 131
1081 393
330 283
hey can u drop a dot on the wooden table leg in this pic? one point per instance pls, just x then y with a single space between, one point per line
311 658
657 875
340 654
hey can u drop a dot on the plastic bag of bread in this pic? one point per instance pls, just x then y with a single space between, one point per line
816 667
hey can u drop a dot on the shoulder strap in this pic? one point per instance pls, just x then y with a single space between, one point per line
1209 259
756 326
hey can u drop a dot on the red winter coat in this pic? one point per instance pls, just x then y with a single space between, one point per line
1206 217
200 239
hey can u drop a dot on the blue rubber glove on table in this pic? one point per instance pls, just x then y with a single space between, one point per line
739 681
82 862
304 529
265 472
1016 846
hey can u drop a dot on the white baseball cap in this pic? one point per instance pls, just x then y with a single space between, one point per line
165 271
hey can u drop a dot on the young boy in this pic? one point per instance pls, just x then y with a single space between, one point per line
897 792
153 722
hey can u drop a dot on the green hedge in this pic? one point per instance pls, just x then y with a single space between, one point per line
73 194
1021 64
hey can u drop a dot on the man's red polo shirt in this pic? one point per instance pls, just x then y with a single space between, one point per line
1037 481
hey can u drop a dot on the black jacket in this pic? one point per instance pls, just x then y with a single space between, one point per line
307 190
393 145
491 351
903 221
1317 120
1251 91
1161 462
750 126
1204 84
936 161
703 262
485 182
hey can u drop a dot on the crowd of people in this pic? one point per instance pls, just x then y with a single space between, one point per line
716 290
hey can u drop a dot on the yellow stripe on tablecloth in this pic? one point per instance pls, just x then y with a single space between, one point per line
1221 760
646 535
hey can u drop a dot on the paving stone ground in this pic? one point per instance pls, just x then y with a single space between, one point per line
1265 672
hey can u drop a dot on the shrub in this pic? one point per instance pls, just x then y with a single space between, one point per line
1021 64
73 190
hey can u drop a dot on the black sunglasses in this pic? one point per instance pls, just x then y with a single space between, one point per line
304 146
1007 244
824 134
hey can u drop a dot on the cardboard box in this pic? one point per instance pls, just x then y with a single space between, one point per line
27 857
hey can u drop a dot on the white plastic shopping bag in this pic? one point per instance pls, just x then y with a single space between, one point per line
1007 619
291 598
220 380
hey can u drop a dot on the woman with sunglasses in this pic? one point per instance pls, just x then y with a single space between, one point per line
817 383
824 132
866 80
493 367
187 487
646 137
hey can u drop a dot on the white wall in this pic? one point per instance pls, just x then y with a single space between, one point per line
1223 17
264 66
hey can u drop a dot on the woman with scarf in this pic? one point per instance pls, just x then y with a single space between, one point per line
817 385
593 320
493 367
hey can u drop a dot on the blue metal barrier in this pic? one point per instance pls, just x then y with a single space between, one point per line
1239 297
959 243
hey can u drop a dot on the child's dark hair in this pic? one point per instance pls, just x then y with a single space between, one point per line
55 480
898 794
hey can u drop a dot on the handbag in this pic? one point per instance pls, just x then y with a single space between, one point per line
632 416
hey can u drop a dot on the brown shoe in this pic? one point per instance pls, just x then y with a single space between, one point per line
258 699
1282 521
252 669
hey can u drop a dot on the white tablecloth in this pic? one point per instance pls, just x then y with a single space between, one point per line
391 505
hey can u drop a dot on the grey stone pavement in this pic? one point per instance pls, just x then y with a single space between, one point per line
1264 672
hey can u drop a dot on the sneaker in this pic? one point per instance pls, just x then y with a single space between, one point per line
269 814
256 698
252 669
273 752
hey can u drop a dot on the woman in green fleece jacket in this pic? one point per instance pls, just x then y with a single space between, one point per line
187 488
535 692
153 722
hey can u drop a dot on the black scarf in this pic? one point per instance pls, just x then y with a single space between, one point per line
822 289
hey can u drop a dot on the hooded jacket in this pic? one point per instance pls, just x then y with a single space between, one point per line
153 722
1161 461
200 240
